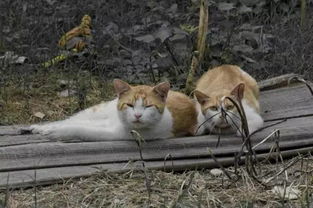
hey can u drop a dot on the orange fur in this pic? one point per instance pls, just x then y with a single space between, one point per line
184 113
220 81
182 108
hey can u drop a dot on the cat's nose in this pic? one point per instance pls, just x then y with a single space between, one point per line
138 115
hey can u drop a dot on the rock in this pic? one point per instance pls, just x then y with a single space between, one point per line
225 6
11 58
216 172
67 93
39 115
63 83
145 38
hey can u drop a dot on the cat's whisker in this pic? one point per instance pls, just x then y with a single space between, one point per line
219 89
235 115
208 119
234 124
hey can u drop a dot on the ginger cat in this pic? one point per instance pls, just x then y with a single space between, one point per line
211 90
154 112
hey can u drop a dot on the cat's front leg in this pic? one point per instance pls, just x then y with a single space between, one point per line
48 128
255 122
41 129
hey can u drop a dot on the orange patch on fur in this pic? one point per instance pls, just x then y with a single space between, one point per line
143 92
220 81
182 108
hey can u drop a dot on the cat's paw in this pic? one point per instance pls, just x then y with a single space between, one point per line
41 129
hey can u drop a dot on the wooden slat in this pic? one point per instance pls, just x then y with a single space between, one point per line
277 82
13 140
26 178
10 130
286 102
57 154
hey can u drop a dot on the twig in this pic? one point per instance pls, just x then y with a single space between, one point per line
182 190
165 159
170 52
283 170
201 45
219 164
35 187
7 192
265 139
245 134
300 79
139 140
267 126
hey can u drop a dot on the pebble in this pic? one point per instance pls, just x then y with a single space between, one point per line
216 172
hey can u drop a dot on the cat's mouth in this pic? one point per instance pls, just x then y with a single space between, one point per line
137 122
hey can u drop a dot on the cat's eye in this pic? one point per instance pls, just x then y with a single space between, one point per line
213 108
130 105
229 107
148 106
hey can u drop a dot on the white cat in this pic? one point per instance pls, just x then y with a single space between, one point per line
154 112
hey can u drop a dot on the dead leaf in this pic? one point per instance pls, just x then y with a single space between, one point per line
39 115
225 6
145 38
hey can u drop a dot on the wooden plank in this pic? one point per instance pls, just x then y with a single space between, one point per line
288 102
13 140
57 154
277 82
22 179
11 130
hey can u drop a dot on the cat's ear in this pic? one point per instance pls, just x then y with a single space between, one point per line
162 89
120 86
201 97
238 91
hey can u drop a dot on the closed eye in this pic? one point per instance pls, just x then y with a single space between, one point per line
213 108
148 106
130 105
229 107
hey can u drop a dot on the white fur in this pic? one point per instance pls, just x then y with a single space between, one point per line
110 124
212 119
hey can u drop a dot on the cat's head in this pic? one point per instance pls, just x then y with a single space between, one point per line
212 105
140 106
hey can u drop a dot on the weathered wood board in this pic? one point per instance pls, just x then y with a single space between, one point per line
24 156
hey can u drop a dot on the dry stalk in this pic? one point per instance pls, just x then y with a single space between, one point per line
35 188
300 79
283 170
250 154
265 139
165 159
303 13
7 192
139 140
219 164
201 45
182 190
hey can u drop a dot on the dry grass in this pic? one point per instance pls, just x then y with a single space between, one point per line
21 97
129 190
